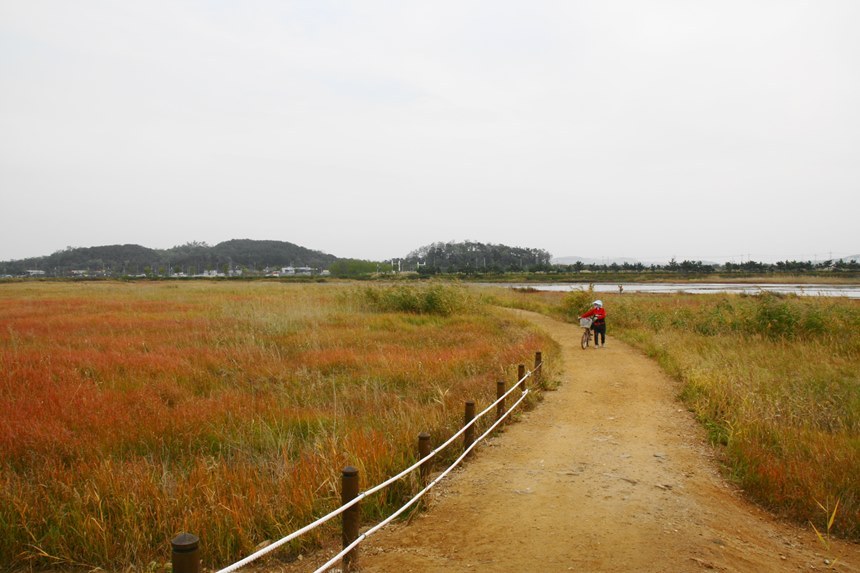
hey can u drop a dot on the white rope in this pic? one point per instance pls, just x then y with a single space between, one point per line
271 547
420 494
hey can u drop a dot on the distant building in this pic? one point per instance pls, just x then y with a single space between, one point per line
291 271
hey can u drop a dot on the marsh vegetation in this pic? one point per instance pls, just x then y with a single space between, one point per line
774 379
131 412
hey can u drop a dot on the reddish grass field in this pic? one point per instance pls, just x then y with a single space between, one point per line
131 412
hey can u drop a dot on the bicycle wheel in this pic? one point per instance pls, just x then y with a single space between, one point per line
586 337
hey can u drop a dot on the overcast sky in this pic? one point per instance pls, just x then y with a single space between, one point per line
704 130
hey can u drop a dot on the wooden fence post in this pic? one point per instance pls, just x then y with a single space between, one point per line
500 407
469 435
423 452
521 372
185 554
351 517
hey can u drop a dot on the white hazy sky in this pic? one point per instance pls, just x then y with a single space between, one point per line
713 130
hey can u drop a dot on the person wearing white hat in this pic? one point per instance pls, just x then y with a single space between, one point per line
599 325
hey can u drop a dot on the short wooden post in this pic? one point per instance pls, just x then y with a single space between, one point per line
351 517
538 368
423 452
500 407
469 435
521 372
185 554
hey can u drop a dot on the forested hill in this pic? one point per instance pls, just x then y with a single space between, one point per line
473 257
191 258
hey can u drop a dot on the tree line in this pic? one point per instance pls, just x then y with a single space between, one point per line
687 267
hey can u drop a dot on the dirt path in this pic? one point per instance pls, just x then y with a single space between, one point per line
609 473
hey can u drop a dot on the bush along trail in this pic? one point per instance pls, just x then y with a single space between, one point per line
610 473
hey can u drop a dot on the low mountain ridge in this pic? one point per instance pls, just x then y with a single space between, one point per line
255 257
190 258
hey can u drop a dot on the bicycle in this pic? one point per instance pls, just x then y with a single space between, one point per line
586 323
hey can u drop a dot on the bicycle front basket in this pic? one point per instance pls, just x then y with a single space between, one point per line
585 322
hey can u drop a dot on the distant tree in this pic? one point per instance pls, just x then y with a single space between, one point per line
753 266
355 267
691 267
843 265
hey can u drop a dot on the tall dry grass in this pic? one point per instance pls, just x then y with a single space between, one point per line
775 380
131 412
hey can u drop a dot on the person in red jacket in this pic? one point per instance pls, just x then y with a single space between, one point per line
598 313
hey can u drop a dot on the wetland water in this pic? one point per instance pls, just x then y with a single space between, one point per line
847 291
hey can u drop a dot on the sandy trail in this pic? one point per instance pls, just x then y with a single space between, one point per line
609 473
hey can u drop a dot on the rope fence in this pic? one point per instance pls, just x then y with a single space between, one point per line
185 555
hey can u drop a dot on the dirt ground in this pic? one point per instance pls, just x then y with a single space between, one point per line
610 473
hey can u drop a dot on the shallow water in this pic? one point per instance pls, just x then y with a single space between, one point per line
847 291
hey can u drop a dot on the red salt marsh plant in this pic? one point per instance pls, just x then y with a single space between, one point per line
130 412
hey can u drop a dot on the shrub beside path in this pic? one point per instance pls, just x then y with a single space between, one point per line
609 473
